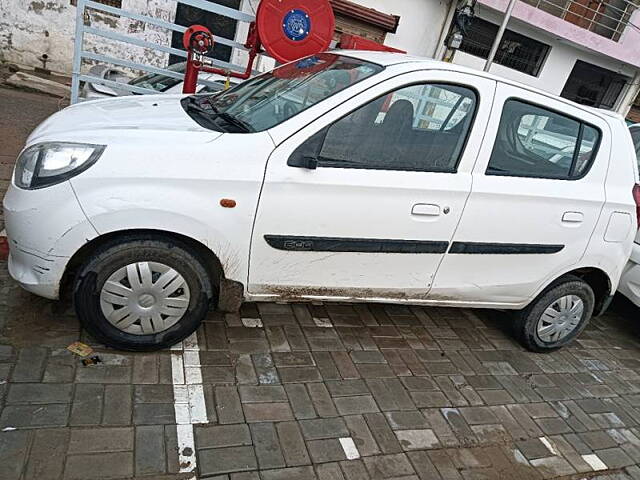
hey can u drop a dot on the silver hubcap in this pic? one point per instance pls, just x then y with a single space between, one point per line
560 318
144 298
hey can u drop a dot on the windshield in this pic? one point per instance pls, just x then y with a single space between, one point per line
276 96
158 81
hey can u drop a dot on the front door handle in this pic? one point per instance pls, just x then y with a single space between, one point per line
426 209
573 217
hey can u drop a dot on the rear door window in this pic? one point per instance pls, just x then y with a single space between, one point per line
533 141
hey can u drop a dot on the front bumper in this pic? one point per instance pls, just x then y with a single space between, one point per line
44 229
36 272
630 282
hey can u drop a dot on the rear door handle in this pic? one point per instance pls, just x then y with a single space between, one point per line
426 209
573 217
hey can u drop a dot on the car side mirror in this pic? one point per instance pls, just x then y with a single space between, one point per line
308 153
303 161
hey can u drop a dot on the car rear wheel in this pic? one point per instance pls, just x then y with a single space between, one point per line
142 293
557 316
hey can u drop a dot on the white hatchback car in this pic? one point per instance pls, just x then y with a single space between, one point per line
348 176
630 282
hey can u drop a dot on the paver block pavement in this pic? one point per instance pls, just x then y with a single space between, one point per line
417 439
226 460
423 393
217 436
95 440
99 465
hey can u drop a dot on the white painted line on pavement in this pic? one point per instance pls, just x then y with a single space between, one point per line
519 457
186 445
547 443
252 322
594 461
188 399
322 322
349 447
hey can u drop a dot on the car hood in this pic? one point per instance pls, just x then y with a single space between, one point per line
144 112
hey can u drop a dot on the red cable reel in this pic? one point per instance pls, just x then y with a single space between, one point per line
292 29
287 29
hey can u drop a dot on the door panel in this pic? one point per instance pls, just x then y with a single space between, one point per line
352 227
519 232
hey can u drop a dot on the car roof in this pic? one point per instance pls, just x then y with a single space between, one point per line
392 58
385 58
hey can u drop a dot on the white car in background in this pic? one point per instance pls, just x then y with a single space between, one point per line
630 281
161 83
345 176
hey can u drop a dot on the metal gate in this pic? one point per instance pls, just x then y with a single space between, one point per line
85 9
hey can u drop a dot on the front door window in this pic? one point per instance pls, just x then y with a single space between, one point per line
416 128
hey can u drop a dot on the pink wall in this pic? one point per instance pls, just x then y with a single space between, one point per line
626 50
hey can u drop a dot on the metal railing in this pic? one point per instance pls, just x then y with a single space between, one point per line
86 9
608 18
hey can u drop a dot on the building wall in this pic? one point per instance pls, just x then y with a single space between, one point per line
626 49
558 65
421 22
30 28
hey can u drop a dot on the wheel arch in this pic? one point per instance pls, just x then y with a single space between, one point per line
599 282
209 259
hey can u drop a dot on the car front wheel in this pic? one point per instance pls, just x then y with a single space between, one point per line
142 293
557 316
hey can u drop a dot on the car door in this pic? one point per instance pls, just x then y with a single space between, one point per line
538 190
362 202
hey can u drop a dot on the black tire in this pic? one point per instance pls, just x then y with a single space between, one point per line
114 255
526 320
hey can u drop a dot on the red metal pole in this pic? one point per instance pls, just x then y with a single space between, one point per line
253 52
190 75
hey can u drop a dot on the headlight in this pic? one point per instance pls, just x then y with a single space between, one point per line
53 162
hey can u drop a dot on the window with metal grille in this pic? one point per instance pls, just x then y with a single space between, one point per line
220 25
515 51
594 86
